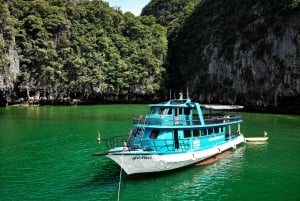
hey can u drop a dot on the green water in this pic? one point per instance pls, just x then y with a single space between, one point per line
45 154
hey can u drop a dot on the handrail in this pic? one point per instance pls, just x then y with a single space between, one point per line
116 141
137 119
218 119
195 121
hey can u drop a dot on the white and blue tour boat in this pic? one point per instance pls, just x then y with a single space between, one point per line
175 134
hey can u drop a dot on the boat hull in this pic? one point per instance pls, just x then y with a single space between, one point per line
138 162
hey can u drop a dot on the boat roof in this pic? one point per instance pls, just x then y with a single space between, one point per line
174 103
188 103
221 107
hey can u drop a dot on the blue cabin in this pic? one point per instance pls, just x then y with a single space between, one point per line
180 125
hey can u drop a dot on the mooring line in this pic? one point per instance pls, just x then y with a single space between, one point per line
120 178
119 190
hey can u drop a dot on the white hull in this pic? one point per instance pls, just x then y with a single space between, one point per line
136 162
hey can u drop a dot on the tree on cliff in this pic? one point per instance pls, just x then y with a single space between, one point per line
82 48
170 14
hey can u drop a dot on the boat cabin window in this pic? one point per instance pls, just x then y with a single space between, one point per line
196 133
136 131
178 111
213 130
195 112
187 111
187 133
159 110
154 134
203 132
154 110
163 111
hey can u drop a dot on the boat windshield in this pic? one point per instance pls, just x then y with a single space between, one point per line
158 110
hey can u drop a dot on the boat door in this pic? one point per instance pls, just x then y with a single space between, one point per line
176 141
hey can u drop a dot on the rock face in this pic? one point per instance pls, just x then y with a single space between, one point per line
254 61
8 74
263 71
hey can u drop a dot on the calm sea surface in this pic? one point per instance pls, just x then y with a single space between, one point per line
45 154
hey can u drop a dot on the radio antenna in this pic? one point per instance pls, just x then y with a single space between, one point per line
187 93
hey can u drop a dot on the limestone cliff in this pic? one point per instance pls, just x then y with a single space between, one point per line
230 52
8 72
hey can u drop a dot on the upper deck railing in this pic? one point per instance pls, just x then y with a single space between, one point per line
184 120
221 119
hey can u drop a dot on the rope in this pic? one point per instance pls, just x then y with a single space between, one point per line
120 176
119 190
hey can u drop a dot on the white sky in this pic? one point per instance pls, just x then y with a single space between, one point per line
133 6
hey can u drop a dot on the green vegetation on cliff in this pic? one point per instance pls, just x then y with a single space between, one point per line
80 48
172 13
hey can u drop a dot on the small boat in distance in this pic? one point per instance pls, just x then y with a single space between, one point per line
175 134
258 139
